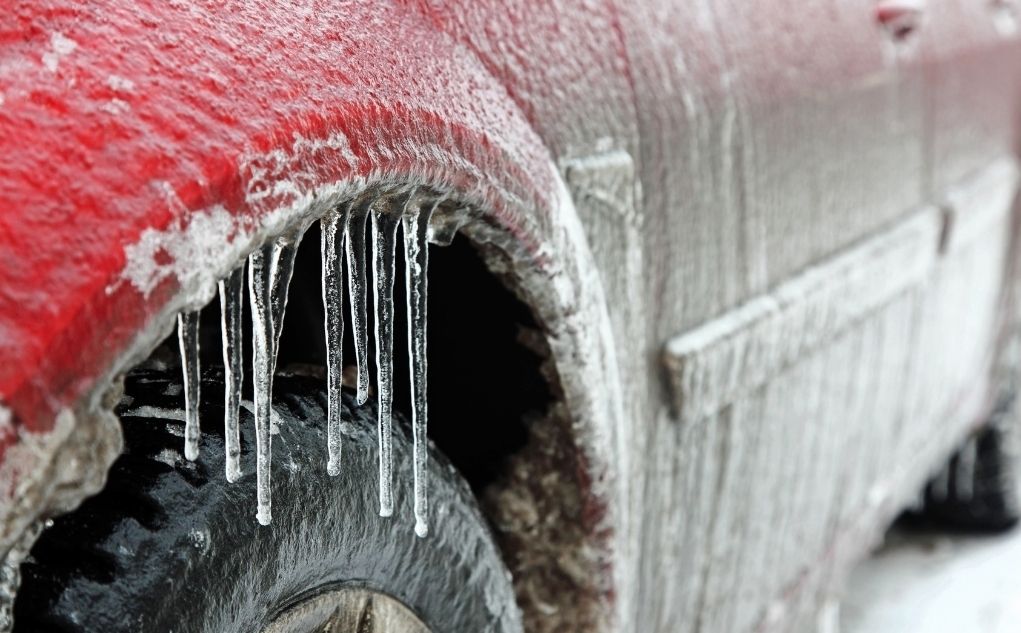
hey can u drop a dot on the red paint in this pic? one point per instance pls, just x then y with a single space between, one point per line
900 17
150 94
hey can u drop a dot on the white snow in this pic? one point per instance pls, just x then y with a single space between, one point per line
116 107
120 84
172 389
60 47
200 539
194 253
937 584
147 411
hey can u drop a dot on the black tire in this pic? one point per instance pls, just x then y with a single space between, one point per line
169 545
978 490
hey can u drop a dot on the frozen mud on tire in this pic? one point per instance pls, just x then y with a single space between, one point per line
169 545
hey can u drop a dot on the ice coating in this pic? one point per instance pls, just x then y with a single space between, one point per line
269 275
188 337
720 185
356 253
384 233
333 227
270 268
231 309
416 258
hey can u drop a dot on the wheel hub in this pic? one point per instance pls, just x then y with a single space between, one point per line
348 610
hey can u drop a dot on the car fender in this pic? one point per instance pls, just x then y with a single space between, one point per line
148 147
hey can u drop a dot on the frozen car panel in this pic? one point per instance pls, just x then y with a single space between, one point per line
780 208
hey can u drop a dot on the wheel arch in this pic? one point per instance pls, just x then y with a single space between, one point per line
276 150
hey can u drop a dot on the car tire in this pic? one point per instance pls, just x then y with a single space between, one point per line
169 545
978 490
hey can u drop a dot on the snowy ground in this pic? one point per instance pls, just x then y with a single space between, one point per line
934 583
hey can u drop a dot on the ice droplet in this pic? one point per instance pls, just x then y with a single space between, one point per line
416 258
269 275
384 232
231 310
356 253
188 336
333 225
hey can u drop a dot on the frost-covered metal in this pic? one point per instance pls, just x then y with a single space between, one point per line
642 172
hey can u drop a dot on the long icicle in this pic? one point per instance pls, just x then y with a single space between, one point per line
384 233
231 309
333 225
358 291
259 288
416 259
269 276
188 337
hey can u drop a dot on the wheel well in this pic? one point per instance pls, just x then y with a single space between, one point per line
485 353
496 410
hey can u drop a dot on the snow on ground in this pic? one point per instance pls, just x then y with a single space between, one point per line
921 582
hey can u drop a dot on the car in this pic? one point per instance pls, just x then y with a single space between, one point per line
715 291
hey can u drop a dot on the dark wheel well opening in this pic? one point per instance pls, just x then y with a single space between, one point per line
485 380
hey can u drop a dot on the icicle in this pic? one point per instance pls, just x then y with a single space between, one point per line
269 275
259 284
356 254
384 233
285 248
231 308
188 336
416 258
333 302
